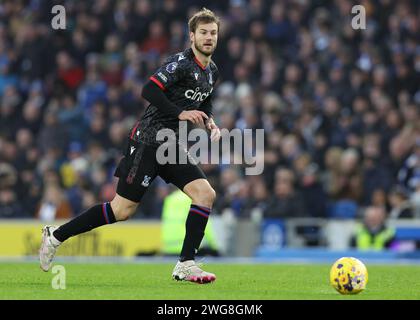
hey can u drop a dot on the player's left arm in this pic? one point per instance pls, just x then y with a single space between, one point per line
207 107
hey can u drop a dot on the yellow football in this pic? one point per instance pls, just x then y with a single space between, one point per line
348 275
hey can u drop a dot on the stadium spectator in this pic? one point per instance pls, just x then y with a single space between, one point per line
286 201
401 207
10 206
313 194
260 195
415 199
52 135
373 233
376 174
296 69
409 174
68 73
53 205
347 182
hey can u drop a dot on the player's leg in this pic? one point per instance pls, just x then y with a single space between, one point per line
203 196
133 170
119 209
192 181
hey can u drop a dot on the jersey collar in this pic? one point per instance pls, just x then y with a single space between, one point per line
196 60
199 63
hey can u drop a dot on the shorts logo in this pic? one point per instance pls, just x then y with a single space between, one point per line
146 181
171 67
132 150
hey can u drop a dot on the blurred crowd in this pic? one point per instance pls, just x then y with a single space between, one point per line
340 107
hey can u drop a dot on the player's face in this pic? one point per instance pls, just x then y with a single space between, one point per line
205 38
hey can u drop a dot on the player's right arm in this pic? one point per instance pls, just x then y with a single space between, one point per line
163 78
153 93
195 116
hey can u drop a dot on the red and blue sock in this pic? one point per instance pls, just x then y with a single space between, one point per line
92 218
194 231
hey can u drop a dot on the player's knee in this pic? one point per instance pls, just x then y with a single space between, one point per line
123 212
122 215
204 196
211 195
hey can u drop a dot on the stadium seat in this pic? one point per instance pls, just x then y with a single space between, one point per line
273 234
407 233
343 209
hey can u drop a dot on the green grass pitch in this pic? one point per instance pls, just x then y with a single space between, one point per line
234 282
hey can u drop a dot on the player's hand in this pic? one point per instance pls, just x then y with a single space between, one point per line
214 129
195 116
